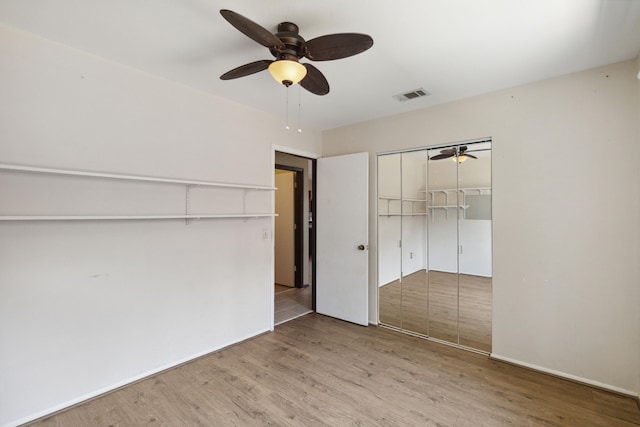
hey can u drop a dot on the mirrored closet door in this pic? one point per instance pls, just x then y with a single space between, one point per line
434 243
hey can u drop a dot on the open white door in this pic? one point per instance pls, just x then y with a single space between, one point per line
342 204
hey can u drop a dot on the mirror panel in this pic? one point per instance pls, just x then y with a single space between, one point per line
443 247
475 248
434 243
389 240
414 242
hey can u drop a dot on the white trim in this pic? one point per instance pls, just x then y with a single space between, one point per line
294 151
123 383
287 150
564 375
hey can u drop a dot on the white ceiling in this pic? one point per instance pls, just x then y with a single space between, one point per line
452 48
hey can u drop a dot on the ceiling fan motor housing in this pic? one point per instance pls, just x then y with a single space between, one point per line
294 43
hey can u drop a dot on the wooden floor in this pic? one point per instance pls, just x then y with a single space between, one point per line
316 370
428 304
291 303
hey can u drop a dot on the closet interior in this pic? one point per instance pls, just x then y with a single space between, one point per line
434 243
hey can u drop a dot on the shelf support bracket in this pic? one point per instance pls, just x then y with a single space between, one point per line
187 204
244 202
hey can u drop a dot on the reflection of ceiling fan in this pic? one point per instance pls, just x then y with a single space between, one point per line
288 48
457 153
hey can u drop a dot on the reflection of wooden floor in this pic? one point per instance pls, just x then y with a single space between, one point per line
406 306
291 303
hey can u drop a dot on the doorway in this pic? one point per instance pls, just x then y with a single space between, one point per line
289 224
294 290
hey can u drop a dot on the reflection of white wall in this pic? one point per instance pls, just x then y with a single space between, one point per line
473 243
475 247
389 249
413 244
413 227
389 226
443 241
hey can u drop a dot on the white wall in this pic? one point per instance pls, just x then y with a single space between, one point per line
565 215
87 306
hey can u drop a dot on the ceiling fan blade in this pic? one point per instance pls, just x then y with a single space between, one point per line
470 155
442 156
314 81
336 46
252 30
246 69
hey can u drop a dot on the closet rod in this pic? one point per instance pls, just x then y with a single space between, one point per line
31 169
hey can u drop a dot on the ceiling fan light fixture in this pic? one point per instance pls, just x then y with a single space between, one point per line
287 72
461 158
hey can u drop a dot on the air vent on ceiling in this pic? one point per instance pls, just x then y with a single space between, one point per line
417 93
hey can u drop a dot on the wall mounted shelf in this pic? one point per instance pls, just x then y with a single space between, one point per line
124 217
31 169
136 178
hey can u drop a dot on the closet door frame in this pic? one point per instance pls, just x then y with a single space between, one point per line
459 217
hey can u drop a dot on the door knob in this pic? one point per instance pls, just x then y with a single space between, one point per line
361 247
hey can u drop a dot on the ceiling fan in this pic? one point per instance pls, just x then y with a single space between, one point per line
457 153
288 47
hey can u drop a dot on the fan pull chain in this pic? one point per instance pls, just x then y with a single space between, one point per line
286 125
299 109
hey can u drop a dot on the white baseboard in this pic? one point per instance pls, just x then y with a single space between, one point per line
113 387
566 376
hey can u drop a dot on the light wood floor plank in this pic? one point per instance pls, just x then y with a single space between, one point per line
291 303
320 371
